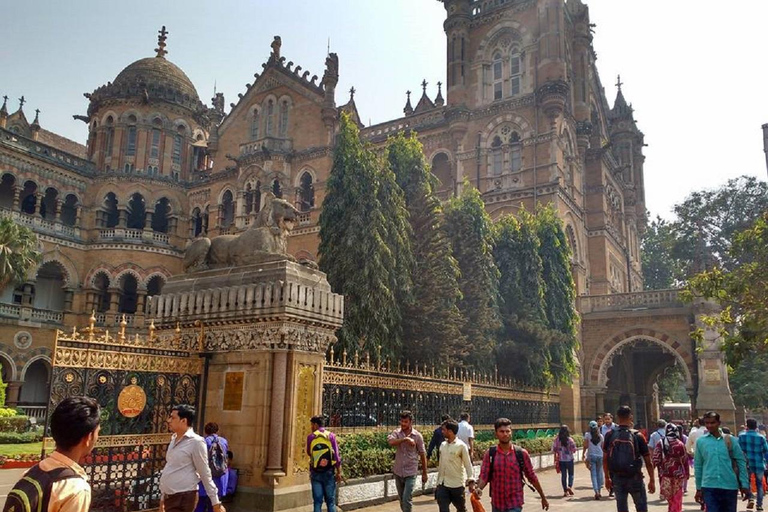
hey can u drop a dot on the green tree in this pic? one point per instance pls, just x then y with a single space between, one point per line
749 382
660 269
432 322
470 231
559 292
356 231
18 252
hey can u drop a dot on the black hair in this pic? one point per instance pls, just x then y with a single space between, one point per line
464 416
624 412
185 412
501 422
318 420
73 419
594 435
406 415
451 425
726 430
711 414
445 417
211 428
230 455
752 424
564 435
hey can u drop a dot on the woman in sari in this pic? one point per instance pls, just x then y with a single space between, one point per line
671 460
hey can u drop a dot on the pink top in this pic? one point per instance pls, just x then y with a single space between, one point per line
407 456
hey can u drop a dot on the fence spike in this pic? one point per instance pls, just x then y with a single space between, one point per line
357 359
344 358
367 359
152 330
123 324
331 358
378 357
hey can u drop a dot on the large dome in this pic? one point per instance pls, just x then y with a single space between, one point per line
156 73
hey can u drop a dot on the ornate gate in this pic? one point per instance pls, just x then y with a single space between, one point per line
136 380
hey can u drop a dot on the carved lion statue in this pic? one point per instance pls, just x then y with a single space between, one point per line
264 240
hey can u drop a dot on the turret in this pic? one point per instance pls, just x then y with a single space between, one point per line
456 28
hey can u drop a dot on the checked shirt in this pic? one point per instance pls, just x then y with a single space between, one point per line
755 448
506 485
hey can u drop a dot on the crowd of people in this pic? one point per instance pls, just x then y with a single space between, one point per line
198 476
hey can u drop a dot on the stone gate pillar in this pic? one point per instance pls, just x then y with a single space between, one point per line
265 329
714 392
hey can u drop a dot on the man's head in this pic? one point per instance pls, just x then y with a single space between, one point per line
464 416
503 429
444 417
450 428
317 422
712 422
661 424
752 424
211 428
599 421
181 418
608 419
624 415
75 424
696 422
406 420
230 455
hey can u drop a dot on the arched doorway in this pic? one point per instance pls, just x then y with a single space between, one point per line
34 389
129 287
7 191
441 169
49 287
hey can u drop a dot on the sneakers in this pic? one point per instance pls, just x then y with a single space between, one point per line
750 504
759 509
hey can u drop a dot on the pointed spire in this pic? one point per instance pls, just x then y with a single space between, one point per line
424 84
22 101
4 108
352 92
620 106
439 101
36 122
408 110
424 103
160 50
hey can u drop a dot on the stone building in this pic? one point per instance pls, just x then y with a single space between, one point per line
523 116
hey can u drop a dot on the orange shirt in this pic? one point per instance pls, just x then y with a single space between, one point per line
72 494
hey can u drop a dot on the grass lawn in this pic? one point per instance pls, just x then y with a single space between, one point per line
21 449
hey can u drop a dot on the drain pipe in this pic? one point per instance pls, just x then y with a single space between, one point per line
765 144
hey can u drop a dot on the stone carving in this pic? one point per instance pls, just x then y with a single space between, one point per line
270 336
264 240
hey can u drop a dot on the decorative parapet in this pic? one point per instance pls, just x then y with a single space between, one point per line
654 299
266 145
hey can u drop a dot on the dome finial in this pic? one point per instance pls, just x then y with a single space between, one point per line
160 50
619 83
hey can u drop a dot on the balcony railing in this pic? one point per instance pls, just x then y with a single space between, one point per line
34 411
133 234
267 144
41 225
114 319
31 314
653 299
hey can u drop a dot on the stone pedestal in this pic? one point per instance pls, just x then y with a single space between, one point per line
266 329
714 392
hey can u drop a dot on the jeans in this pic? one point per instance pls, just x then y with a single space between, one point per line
596 471
624 486
720 500
323 489
759 485
566 474
447 495
405 485
517 509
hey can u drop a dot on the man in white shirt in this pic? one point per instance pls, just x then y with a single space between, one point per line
656 437
696 432
186 465
466 432
454 470
608 424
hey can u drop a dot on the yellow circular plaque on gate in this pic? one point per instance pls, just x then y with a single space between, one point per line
131 401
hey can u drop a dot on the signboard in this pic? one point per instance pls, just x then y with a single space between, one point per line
233 391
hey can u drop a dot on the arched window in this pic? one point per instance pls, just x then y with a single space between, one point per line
515 152
69 210
130 148
306 193
111 214
227 209
284 118
154 149
34 390
270 117
248 200
101 289
29 197
109 137
177 143
571 237
160 215
49 286
514 74
441 168
136 212
154 287
276 189
498 77
7 190
255 124
48 204
497 156
128 294
197 222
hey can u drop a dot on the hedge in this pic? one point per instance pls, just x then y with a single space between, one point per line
7 412
14 424
20 438
368 453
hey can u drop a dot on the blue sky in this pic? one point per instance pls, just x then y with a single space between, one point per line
696 74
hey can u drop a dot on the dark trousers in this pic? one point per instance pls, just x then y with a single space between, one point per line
446 496
720 500
566 474
623 487
180 502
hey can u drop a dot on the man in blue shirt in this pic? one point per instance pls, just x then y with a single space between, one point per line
720 468
755 447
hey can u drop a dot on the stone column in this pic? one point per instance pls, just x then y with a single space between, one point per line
69 295
148 221
276 416
57 212
17 191
123 218
12 393
114 301
38 203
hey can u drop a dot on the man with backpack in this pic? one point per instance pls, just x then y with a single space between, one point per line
186 464
625 451
755 449
324 465
58 483
720 468
506 467
218 462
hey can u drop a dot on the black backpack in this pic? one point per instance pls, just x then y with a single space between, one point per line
520 464
33 491
217 459
623 452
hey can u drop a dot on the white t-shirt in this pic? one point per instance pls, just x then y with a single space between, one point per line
606 428
466 432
